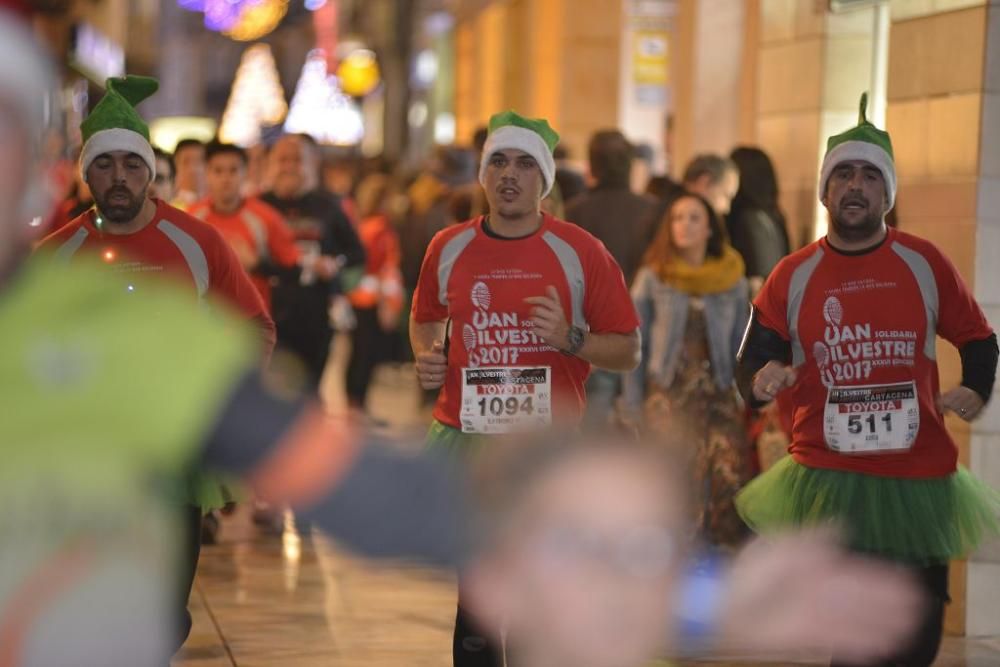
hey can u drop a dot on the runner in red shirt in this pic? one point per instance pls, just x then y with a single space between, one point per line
845 330
510 312
851 332
139 237
163 239
258 234
479 280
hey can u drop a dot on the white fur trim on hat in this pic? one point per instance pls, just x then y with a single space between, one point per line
522 139
117 139
860 150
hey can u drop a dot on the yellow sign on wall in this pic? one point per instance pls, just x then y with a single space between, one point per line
651 58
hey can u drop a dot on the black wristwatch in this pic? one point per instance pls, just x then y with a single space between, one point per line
575 336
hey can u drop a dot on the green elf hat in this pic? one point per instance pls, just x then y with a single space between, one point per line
864 142
115 125
509 129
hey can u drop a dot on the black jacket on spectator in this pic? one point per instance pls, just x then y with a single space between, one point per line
759 237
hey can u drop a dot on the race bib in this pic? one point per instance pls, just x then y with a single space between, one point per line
872 418
505 399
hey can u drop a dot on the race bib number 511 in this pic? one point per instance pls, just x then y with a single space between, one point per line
504 399
871 419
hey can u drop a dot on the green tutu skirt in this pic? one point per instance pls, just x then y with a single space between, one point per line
920 521
452 443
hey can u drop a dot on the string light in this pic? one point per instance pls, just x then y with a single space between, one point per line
256 99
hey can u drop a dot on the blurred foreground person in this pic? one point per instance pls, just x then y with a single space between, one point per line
847 328
115 385
584 560
577 579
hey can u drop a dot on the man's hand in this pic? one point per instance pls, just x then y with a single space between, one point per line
432 367
550 319
804 593
963 401
326 267
772 379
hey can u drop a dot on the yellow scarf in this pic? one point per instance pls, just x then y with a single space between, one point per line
716 274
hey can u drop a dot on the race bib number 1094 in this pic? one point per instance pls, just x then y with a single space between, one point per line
505 399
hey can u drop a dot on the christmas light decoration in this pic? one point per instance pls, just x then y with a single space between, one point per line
240 19
359 73
258 20
320 108
256 98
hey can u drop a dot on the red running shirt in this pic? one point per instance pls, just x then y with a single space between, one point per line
480 282
176 245
260 230
863 333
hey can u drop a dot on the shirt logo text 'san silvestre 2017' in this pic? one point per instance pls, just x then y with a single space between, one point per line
850 352
497 338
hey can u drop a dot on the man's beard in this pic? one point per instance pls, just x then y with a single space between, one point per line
867 228
120 214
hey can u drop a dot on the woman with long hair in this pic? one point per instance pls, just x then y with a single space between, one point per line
756 224
693 300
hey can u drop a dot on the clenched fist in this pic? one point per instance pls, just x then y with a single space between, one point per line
771 380
432 366
963 401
